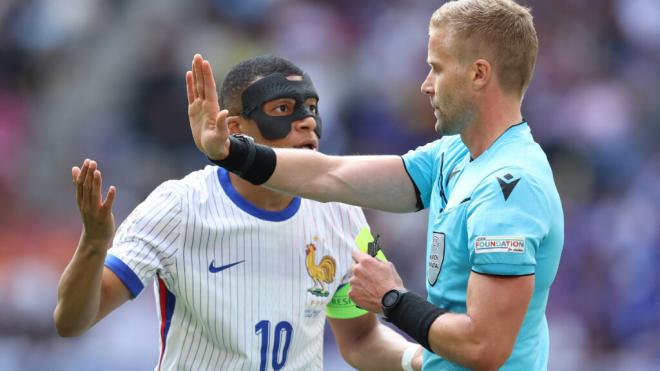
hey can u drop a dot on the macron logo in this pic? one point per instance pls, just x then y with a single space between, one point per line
214 269
507 185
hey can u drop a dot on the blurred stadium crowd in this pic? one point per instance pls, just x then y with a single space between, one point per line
104 79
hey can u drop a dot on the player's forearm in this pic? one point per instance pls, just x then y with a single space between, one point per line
457 338
79 290
377 182
379 349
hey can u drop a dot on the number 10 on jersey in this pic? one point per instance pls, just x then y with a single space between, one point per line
283 332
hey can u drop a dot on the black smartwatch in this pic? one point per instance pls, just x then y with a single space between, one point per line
390 300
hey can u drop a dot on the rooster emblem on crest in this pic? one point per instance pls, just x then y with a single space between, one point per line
323 272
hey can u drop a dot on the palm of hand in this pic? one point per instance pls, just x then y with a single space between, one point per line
207 122
202 114
98 220
98 224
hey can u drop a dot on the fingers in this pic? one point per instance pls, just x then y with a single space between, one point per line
96 189
109 198
200 83
198 76
190 87
221 134
75 171
80 182
359 256
195 77
89 182
221 120
88 185
210 91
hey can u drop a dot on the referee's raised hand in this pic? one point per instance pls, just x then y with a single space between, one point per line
96 214
207 122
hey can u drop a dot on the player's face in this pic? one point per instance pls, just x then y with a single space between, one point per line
302 133
447 85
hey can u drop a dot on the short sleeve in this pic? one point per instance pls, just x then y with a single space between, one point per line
507 219
147 240
421 165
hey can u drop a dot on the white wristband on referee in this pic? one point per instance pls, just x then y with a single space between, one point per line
407 357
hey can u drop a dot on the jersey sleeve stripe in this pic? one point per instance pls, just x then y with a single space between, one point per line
503 269
418 194
167 302
125 274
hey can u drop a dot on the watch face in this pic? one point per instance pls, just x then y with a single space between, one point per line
390 298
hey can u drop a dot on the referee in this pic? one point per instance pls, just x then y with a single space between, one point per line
495 228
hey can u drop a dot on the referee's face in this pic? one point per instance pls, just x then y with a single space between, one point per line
447 85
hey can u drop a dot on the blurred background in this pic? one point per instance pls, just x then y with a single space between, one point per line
104 79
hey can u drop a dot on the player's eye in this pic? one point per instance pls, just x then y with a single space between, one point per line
313 109
282 108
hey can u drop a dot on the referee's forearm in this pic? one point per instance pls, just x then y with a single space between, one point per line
377 182
79 289
456 337
452 336
302 172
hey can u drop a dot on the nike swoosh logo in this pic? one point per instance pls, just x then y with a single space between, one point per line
214 269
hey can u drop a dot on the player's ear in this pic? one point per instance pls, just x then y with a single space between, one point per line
233 124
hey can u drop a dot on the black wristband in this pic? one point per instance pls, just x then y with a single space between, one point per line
414 315
249 160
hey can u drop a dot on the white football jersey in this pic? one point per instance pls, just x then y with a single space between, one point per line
238 287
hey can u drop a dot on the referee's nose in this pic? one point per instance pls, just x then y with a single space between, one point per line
427 85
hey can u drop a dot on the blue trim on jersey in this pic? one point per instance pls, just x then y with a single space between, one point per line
167 300
250 208
170 301
125 274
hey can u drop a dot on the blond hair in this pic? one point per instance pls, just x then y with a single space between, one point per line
500 31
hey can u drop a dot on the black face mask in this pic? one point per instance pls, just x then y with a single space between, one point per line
277 86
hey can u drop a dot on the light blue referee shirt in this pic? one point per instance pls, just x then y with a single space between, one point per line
498 214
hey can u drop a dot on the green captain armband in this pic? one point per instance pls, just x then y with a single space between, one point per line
341 306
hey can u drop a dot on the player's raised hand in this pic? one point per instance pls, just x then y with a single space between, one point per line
96 214
207 123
